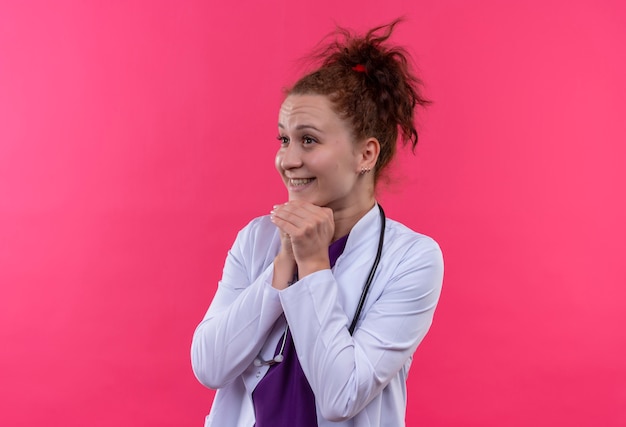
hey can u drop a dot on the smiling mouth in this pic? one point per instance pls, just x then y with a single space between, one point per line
296 182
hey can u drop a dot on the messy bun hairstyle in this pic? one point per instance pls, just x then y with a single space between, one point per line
370 84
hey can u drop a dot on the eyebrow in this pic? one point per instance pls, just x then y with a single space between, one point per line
302 127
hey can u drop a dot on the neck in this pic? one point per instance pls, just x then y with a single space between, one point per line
346 218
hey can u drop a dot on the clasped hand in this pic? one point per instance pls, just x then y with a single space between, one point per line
306 231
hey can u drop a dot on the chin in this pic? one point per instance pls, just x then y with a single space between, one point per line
309 199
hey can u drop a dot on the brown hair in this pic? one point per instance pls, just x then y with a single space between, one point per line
370 84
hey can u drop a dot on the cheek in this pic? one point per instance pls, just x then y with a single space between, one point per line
278 161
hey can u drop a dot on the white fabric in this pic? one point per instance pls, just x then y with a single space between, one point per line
357 380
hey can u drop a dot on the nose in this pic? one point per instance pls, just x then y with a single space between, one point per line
290 157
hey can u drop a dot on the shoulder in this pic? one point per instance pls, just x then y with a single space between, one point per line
405 243
258 227
260 234
399 233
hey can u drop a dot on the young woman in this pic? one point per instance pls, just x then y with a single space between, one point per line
323 302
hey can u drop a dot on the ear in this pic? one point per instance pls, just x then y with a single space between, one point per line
370 149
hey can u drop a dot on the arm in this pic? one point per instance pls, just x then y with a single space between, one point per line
241 314
347 372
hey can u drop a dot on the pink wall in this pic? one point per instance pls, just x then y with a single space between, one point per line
137 137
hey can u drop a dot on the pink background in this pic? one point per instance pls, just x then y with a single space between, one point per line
137 137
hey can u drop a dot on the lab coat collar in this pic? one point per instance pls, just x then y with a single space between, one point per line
366 229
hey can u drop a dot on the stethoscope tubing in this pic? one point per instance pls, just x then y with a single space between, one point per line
370 277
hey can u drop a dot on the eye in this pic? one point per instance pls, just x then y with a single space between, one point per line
307 140
283 140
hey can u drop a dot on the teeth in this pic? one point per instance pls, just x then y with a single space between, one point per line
300 181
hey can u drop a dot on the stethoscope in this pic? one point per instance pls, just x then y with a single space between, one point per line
359 308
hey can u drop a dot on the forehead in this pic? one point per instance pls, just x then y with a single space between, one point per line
299 110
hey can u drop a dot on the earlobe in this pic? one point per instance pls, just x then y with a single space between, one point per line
371 150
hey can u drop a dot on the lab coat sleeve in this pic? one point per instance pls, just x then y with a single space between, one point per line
346 372
241 315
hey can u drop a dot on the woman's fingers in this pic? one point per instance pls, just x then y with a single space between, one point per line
301 219
310 229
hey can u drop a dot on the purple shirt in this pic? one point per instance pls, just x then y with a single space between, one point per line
283 398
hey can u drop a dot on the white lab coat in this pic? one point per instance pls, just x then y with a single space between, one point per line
357 380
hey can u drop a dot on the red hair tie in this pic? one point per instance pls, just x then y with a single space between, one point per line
359 68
